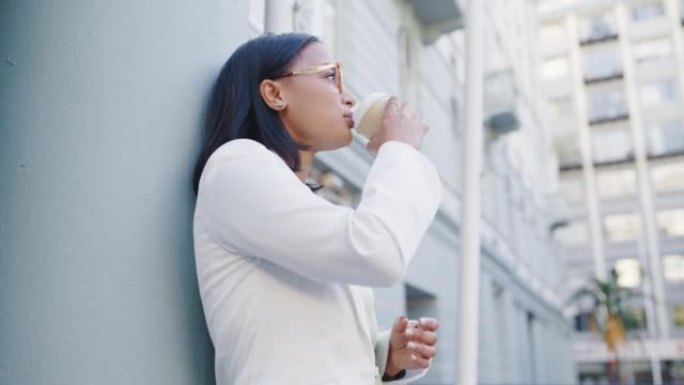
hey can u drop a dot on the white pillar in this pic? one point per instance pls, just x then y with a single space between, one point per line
674 13
649 227
279 16
469 277
580 99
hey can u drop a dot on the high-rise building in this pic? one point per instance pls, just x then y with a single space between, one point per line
614 80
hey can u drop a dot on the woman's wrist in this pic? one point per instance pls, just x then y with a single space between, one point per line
391 370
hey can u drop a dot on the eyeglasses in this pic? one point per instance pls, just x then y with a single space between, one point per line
320 68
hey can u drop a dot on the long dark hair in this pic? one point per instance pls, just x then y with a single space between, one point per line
236 109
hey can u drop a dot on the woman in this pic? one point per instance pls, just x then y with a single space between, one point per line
284 275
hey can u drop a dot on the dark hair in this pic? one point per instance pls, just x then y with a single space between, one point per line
236 109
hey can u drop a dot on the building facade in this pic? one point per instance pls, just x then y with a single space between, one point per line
614 77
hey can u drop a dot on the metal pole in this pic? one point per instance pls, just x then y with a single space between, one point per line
469 277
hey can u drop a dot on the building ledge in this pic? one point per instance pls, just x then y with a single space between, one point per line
610 119
598 39
437 17
603 79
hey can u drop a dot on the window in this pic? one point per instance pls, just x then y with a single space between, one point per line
597 27
647 11
668 177
652 50
601 63
628 272
575 233
560 108
666 138
568 150
621 227
584 322
611 143
671 222
606 104
572 189
678 314
616 183
654 93
673 266
555 68
552 34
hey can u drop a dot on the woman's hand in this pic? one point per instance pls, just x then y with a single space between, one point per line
412 344
400 124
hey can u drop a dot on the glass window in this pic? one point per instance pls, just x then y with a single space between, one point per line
584 322
561 107
671 222
607 104
678 314
611 143
621 227
572 189
647 11
552 33
628 272
673 266
616 183
568 150
658 92
666 138
555 68
652 50
597 27
668 177
575 233
601 63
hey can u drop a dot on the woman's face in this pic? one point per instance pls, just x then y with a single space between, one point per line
316 113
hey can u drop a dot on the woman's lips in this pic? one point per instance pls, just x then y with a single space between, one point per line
350 120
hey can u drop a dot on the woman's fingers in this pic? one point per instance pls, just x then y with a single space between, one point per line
422 349
420 362
422 336
427 323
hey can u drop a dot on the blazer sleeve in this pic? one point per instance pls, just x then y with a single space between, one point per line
251 203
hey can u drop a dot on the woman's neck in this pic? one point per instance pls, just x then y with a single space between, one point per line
306 163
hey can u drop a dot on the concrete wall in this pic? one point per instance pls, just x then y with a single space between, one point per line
100 109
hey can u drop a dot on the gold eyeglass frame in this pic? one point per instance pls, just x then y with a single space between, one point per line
320 68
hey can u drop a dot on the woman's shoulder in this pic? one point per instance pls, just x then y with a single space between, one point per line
242 149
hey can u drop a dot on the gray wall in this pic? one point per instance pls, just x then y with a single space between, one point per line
100 109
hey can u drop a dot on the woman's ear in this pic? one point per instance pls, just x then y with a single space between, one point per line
270 91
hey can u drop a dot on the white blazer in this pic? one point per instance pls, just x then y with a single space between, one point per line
284 275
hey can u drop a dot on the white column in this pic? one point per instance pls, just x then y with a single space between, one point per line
469 277
580 98
674 10
279 16
649 227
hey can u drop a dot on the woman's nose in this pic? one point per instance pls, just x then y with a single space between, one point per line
348 99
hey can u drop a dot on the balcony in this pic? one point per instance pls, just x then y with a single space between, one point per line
437 17
602 78
500 102
609 118
597 39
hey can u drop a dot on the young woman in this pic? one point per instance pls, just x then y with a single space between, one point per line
284 275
